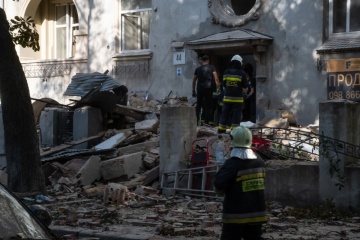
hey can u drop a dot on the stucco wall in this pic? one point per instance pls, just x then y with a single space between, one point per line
293 81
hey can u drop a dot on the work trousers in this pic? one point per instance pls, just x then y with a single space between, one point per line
241 231
204 103
230 115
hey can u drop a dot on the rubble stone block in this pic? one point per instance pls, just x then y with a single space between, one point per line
127 165
150 125
150 162
207 224
211 207
137 147
143 190
87 122
65 181
152 217
115 194
177 128
90 171
112 142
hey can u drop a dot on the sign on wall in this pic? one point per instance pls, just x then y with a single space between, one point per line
179 57
178 71
343 79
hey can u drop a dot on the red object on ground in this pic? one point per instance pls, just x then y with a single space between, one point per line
261 144
200 153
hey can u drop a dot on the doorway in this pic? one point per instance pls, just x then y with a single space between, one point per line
221 62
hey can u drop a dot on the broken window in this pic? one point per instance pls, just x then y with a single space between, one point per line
343 16
135 24
66 21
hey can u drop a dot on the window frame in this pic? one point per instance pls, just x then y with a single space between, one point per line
331 18
70 27
128 13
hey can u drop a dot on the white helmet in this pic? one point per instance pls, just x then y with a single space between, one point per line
237 58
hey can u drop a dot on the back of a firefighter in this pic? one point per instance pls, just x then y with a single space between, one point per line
235 86
242 180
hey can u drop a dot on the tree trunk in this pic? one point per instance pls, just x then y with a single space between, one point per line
21 141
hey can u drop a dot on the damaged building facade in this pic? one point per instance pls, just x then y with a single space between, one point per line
153 46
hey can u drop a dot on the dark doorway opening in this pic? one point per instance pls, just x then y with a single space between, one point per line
221 60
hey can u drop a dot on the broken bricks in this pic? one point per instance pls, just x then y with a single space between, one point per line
115 194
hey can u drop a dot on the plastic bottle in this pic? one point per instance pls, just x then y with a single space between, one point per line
220 150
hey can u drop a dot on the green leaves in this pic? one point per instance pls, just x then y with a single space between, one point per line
24 33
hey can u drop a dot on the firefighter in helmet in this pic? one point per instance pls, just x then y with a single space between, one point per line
242 180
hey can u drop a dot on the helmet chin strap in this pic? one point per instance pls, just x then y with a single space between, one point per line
243 153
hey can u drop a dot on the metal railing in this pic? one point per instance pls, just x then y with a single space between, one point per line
302 145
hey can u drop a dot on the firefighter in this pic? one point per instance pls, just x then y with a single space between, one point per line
242 180
235 86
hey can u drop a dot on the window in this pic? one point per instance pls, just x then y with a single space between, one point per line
135 24
343 16
242 7
66 21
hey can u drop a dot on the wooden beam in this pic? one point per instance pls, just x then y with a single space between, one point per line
70 144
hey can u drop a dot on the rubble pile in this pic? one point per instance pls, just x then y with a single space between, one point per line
113 186
116 180
144 209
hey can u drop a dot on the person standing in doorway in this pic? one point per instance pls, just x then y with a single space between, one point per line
250 101
204 80
242 181
235 87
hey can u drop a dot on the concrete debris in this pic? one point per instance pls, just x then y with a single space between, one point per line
150 125
116 194
118 191
144 191
126 165
119 211
90 171
113 141
275 123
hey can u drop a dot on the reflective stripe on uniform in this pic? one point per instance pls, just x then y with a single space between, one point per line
232 78
251 179
222 127
256 217
250 171
261 219
250 176
233 99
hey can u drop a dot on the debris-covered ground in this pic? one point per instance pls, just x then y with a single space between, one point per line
111 189
149 215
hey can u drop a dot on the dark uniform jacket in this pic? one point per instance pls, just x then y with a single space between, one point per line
234 81
243 183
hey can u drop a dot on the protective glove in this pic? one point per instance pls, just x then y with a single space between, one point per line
193 93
